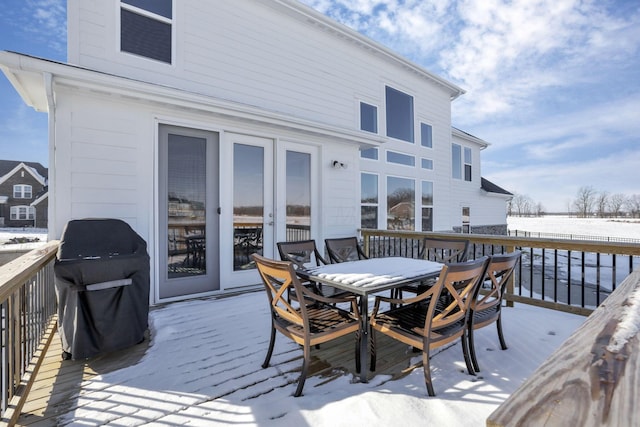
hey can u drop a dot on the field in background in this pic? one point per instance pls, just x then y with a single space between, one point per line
605 227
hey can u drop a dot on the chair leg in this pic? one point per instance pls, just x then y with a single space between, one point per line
305 369
372 350
272 343
358 341
503 343
472 350
427 373
465 352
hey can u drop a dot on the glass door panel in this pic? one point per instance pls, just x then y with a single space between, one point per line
188 198
298 196
248 204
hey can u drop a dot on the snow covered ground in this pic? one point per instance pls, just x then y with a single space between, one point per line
602 227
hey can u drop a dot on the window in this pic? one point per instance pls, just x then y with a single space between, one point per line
427 164
456 165
23 212
400 158
467 164
145 28
399 109
368 200
426 137
369 153
401 194
466 220
427 206
21 191
457 162
368 117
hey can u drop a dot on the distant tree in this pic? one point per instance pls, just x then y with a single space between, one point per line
520 205
633 205
540 211
584 201
616 203
602 202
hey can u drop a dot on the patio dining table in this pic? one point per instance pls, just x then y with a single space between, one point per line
369 276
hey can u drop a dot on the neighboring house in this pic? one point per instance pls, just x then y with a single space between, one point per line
23 194
202 123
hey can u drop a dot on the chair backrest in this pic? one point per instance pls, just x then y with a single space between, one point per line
443 250
499 272
454 291
303 254
278 277
344 249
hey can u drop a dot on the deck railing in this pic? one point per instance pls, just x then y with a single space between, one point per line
567 275
574 276
28 311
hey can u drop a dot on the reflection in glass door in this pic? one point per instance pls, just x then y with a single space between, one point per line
188 198
298 196
248 204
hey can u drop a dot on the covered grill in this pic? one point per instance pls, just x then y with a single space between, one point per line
102 287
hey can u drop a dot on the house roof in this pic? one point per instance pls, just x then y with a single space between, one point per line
468 137
490 187
6 166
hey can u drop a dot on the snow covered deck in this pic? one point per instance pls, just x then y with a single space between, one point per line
201 366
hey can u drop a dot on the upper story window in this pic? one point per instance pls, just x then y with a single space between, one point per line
145 28
400 158
426 135
467 164
368 117
22 191
369 153
457 162
399 111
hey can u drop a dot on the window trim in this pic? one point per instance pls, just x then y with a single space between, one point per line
21 193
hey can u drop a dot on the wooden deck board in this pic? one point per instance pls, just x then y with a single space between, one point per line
59 382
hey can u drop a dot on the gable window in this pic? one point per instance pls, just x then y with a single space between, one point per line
369 153
400 158
399 111
368 200
427 206
401 194
467 164
22 212
22 191
368 117
145 28
426 135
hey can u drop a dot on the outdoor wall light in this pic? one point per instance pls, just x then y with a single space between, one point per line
339 165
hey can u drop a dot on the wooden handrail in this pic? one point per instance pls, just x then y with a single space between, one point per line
16 272
591 380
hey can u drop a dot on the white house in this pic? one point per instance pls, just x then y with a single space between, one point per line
215 128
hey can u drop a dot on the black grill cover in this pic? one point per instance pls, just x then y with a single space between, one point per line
102 286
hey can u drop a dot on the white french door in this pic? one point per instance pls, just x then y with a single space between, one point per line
273 197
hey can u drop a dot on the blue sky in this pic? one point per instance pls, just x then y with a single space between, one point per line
552 85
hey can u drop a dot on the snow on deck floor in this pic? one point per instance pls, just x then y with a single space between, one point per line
203 368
